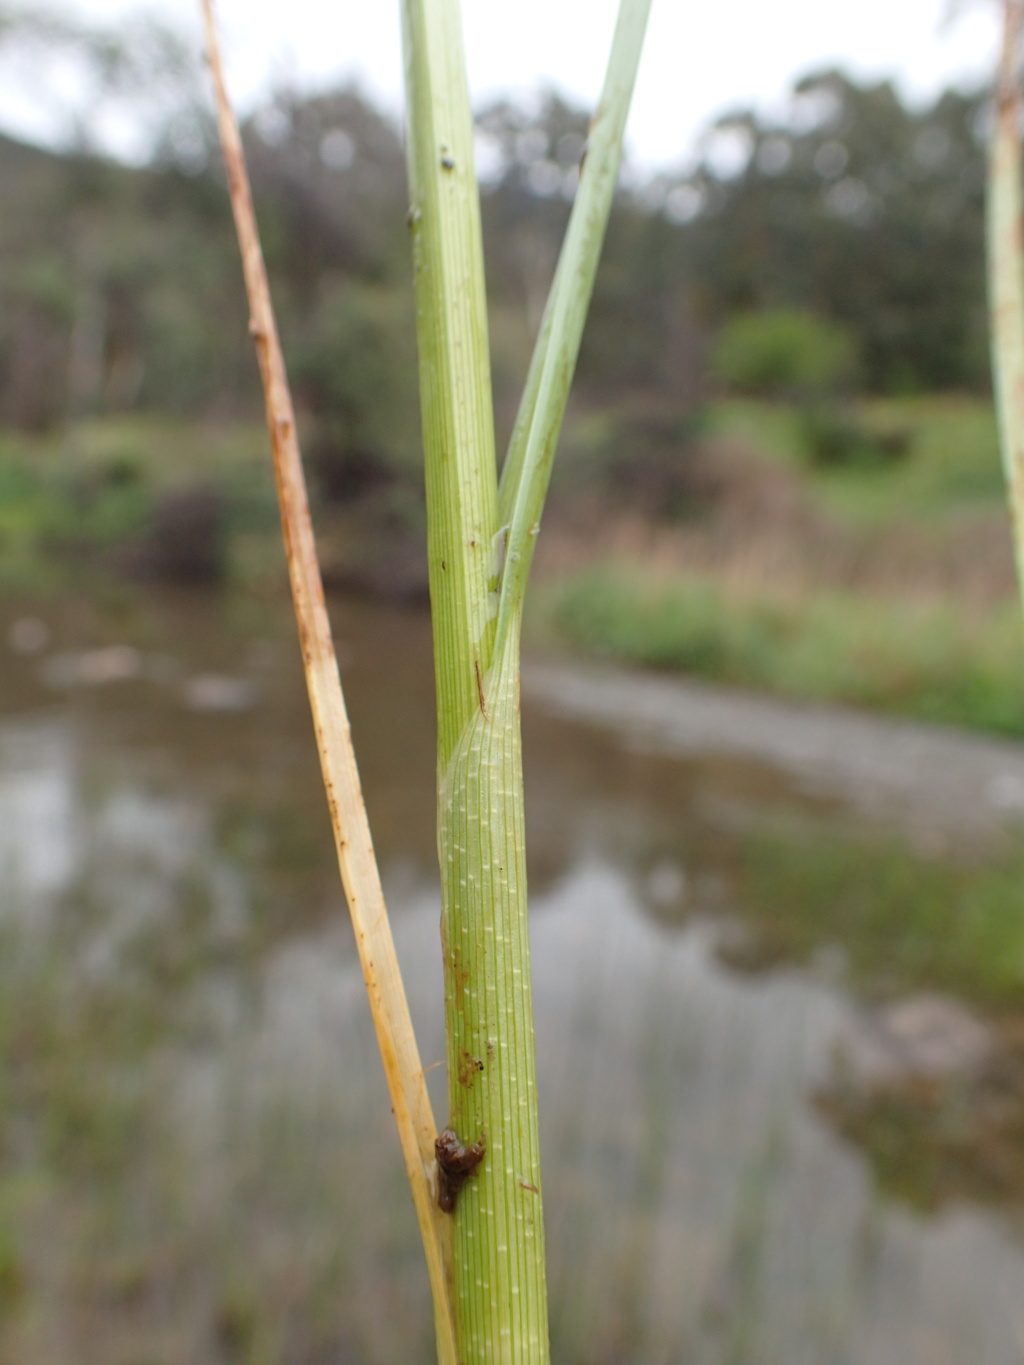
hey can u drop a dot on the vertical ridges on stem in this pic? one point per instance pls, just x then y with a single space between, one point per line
501 1301
454 358
499 1281
497 1276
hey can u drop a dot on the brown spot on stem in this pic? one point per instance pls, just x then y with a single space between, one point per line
456 1162
459 971
469 1068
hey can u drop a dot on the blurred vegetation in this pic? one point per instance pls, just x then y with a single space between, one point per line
784 353
926 660
885 582
852 226
789 354
904 922
901 923
817 267
153 497
951 466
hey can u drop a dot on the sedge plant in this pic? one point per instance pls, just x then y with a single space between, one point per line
476 1186
481 537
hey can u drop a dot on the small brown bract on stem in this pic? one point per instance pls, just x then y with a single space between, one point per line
456 1162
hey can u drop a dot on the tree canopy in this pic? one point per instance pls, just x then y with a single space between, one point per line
119 286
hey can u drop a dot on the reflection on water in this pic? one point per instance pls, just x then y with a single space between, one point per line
197 1159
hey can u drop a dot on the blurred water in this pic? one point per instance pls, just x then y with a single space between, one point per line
197 1162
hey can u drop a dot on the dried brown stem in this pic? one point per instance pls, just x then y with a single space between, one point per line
356 859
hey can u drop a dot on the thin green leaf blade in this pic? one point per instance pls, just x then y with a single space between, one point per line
527 470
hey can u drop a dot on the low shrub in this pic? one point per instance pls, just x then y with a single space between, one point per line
916 659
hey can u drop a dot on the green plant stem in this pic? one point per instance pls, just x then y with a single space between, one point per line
500 1290
1006 271
499 1281
455 379
498 1272
527 469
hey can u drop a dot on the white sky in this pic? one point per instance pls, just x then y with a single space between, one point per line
701 58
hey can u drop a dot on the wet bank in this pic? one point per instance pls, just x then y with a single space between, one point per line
780 1090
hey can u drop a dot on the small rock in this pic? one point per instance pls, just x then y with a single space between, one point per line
28 635
926 1036
93 667
936 1036
214 692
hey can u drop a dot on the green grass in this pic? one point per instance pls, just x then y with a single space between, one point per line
88 494
904 922
896 646
949 460
950 463
926 660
